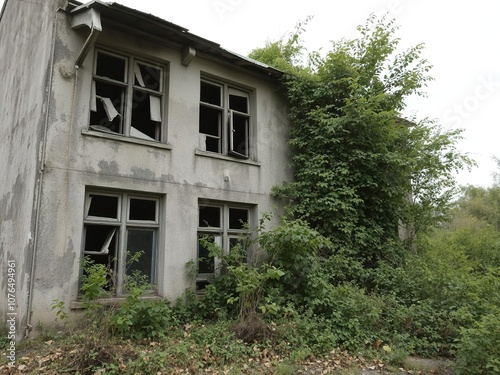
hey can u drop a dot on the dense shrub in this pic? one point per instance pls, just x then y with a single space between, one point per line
142 318
478 350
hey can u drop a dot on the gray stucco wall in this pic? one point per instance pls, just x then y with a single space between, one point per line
25 50
176 171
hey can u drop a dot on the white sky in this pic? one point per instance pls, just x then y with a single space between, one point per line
462 43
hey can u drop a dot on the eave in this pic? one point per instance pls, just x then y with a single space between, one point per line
148 24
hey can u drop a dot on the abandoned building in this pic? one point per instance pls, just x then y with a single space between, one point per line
121 132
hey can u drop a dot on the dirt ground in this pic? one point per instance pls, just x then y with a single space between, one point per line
416 366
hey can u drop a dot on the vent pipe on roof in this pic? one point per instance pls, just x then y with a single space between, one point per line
92 19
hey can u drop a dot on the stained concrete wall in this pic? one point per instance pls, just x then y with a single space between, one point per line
26 30
77 158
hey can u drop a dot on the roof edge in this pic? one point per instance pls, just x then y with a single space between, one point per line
74 6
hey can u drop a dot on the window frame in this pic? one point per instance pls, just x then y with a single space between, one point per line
116 258
223 232
226 128
130 101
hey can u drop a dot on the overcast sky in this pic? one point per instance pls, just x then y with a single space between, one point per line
461 38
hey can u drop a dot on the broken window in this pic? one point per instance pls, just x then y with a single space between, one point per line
117 227
224 123
127 96
223 225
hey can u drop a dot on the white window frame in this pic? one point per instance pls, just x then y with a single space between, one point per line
120 228
227 125
133 94
222 234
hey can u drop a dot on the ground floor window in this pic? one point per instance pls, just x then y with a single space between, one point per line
224 225
117 227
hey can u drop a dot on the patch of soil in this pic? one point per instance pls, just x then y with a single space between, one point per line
430 366
415 366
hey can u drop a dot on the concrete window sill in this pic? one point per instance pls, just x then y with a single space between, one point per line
122 138
214 155
116 301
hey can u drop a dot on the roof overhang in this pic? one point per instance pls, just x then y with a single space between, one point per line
149 24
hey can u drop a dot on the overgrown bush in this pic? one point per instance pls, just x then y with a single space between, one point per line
252 286
478 350
142 318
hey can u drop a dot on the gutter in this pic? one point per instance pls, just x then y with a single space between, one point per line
92 19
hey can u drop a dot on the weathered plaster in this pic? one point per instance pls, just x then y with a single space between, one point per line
25 47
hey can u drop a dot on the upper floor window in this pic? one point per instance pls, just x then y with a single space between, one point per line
224 123
116 227
127 96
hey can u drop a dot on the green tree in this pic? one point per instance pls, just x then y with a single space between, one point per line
475 228
360 171
481 203
457 272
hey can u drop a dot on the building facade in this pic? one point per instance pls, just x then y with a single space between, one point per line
121 133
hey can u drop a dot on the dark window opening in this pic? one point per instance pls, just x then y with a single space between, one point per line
143 125
103 206
101 248
100 239
238 218
210 121
147 76
239 136
238 103
109 107
210 125
142 209
233 242
110 66
141 240
202 284
212 144
206 263
210 94
210 217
